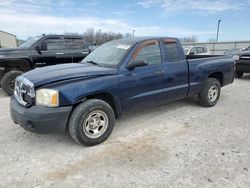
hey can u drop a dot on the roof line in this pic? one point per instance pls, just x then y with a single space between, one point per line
7 33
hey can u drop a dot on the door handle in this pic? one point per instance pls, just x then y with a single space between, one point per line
159 73
60 53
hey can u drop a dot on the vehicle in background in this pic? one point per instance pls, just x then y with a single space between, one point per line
118 76
233 51
92 47
242 64
196 50
39 52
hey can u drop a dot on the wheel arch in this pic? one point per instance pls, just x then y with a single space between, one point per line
17 64
217 75
105 96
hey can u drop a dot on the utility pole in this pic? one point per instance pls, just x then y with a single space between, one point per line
133 32
218 29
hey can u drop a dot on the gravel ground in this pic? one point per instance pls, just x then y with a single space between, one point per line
176 145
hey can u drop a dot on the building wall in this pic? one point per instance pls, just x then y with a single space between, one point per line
218 48
7 40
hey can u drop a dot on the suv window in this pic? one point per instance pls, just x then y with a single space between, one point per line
172 51
151 53
75 43
52 44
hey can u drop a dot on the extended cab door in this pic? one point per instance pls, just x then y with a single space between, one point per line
176 73
143 86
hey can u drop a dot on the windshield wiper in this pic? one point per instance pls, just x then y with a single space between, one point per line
93 63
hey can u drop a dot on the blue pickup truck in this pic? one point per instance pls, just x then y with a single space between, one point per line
121 75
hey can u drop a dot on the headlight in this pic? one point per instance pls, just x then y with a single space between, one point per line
47 97
236 57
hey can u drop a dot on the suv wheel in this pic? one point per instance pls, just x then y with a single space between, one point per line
211 93
8 81
239 74
91 122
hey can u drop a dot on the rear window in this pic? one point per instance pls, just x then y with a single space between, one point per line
172 51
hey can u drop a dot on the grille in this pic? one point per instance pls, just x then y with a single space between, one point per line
24 91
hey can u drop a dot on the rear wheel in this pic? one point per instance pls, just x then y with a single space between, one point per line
211 93
8 81
239 74
91 122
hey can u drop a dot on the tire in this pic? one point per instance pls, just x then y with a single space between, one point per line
210 94
8 81
91 122
239 74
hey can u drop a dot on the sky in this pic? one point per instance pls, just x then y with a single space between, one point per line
175 18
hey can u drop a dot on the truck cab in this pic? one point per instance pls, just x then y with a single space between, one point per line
196 50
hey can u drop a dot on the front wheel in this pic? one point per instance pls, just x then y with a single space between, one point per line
8 81
91 122
211 93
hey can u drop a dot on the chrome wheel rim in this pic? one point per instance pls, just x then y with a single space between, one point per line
213 93
95 124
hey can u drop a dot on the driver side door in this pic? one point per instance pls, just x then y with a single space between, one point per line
51 52
143 86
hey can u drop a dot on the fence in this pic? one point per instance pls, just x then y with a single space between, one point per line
218 48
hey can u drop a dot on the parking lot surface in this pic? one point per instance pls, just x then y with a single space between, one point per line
176 145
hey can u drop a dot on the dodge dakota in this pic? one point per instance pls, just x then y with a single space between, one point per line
120 75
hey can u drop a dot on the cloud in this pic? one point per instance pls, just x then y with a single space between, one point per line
172 31
199 5
33 24
37 18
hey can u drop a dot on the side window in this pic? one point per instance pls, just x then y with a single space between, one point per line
53 44
200 50
205 49
172 51
151 53
75 43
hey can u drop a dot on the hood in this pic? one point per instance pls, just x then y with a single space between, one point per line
50 74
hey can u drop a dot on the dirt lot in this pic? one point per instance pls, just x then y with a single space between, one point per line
176 145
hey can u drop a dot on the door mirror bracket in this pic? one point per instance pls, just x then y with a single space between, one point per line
137 63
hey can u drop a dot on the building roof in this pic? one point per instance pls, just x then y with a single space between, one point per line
7 33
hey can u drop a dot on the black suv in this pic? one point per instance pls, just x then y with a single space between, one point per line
38 52
242 63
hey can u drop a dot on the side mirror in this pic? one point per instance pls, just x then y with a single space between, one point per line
191 53
137 63
38 49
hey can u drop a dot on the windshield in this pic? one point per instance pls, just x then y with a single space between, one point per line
29 43
108 54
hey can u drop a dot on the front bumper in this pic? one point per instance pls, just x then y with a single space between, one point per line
40 119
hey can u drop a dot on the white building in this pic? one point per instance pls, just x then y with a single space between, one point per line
7 40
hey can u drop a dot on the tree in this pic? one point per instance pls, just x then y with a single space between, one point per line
20 42
211 40
99 37
189 39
